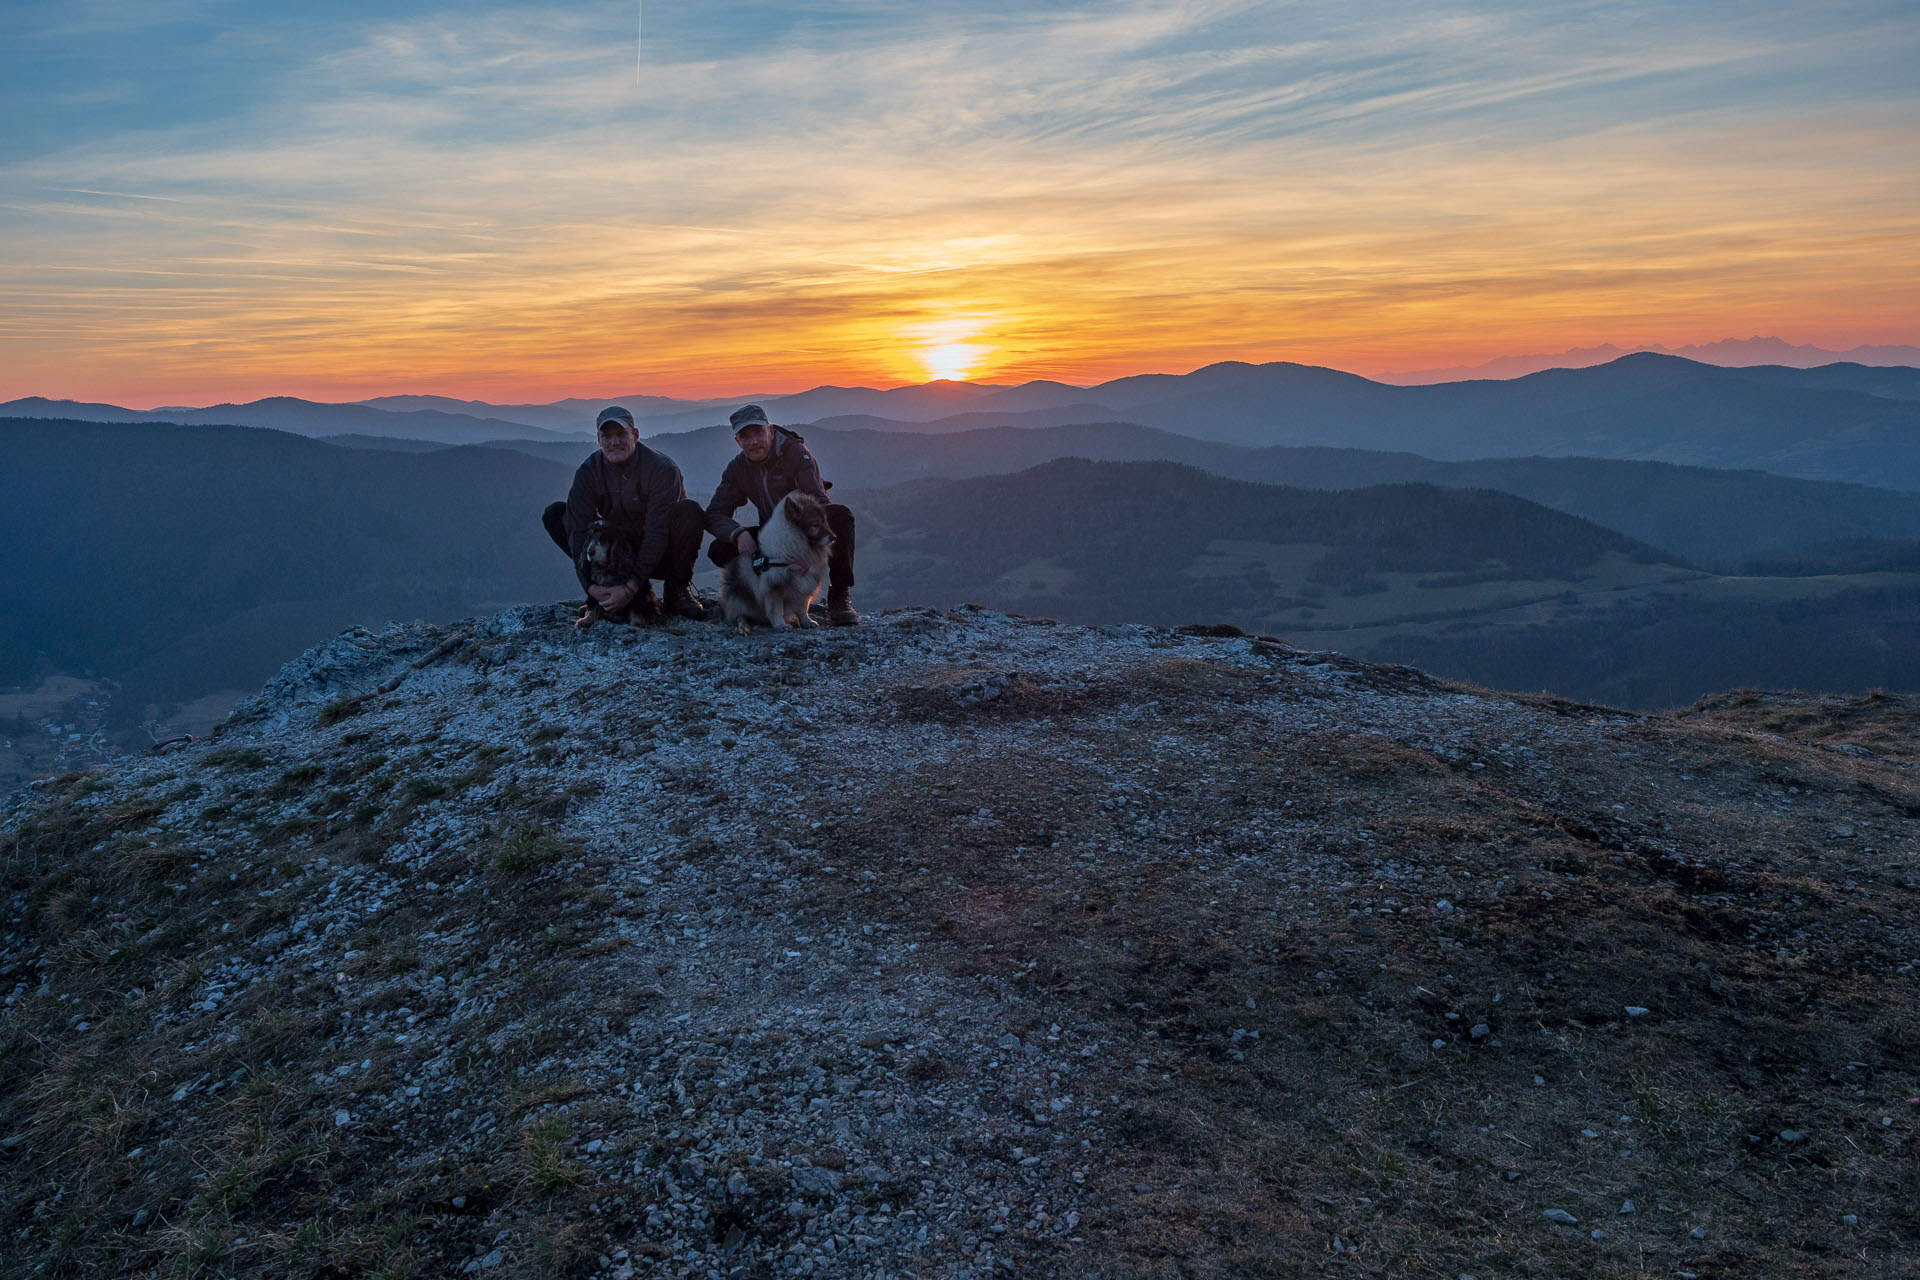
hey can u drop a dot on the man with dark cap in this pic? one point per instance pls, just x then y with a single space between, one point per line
773 463
654 525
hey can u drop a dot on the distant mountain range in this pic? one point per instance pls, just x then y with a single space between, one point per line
1458 582
1845 422
1839 423
1081 536
1734 352
570 417
1855 429
1706 515
301 417
952 400
178 560
1465 583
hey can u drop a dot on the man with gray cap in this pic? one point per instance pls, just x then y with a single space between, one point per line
655 527
773 463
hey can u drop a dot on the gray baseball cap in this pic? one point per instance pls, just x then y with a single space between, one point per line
748 415
614 413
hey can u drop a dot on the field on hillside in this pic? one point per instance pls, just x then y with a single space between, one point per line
1412 605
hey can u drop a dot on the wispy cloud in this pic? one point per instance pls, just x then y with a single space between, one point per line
492 201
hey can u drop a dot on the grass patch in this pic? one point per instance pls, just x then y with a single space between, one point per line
544 1159
525 850
294 780
418 790
403 956
333 712
238 757
352 770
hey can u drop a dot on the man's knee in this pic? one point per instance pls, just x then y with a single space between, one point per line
840 520
554 520
686 525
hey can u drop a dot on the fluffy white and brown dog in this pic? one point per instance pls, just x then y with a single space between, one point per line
776 587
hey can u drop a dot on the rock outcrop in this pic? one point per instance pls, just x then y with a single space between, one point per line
961 944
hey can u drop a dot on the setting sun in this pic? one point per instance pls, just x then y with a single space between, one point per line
945 348
952 360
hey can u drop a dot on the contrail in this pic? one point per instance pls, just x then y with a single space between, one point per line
639 22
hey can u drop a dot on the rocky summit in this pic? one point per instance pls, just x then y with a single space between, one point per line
962 945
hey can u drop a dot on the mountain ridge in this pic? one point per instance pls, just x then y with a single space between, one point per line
1728 352
1233 401
299 417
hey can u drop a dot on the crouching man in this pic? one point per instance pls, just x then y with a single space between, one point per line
773 463
650 528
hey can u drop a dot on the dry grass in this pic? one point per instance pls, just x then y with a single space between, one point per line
153 1137
1760 947
1887 724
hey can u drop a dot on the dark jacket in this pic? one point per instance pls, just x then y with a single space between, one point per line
636 500
789 468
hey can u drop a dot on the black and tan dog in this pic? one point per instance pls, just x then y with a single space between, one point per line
600 563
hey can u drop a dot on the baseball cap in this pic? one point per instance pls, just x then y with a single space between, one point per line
748 415
614 413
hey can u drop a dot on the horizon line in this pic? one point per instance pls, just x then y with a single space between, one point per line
1608 353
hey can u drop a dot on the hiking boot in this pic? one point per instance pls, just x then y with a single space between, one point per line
681 601
840 610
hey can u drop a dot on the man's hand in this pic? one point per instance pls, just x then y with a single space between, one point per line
612 599
747 546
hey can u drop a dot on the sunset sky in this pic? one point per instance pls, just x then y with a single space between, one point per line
206 200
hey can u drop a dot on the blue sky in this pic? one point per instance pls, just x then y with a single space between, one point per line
214 197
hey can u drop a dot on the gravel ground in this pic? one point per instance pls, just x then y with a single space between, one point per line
955 944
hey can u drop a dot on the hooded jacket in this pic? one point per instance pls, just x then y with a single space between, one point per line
789 468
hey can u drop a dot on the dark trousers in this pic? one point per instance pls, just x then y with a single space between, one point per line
839 559
686 525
